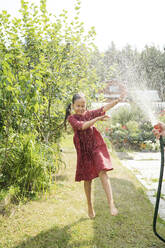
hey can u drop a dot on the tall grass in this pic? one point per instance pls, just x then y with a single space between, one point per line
28 165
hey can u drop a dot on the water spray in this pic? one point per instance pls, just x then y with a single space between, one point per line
159 186
145 104
148 111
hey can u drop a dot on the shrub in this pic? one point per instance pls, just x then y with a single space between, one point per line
125 114
28 166
128 129
162 118
121 115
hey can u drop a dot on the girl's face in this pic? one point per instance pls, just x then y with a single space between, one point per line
79 106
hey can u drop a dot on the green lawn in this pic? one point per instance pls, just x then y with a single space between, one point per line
59 220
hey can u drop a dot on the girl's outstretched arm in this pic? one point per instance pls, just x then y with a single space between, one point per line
92 122
111 104
114 102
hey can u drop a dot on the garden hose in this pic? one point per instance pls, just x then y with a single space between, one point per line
159 189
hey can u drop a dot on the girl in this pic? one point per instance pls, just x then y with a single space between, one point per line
93 158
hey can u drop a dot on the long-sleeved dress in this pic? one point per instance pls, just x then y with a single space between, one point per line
92 152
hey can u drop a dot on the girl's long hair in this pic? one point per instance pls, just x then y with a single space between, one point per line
68 109
67 113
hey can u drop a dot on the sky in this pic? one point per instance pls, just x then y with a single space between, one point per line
134 22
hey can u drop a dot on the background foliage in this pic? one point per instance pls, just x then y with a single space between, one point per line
128 129
137 69
44 60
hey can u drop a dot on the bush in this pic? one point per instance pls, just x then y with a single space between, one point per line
162 118
125 114
27 165
128 129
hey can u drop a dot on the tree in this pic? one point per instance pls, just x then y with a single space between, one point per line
43 60
154 64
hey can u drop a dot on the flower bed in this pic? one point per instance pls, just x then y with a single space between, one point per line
128 129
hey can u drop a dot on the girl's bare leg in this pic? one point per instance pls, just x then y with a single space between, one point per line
87 188
108 191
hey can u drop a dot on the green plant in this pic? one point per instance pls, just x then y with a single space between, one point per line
3 194
128 131
44 59
29 166
162 118
121 115
60 220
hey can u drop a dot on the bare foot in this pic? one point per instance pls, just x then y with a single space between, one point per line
114 211
91 213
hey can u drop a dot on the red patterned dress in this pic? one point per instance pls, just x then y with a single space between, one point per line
92 152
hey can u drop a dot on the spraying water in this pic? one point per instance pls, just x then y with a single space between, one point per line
144 99
136 84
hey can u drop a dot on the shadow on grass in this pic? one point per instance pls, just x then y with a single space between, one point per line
132 228
133 225
53 238
61 178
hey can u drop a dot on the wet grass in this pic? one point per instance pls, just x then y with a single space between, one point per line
59 220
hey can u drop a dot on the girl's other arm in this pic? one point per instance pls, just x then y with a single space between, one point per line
90 123
82 125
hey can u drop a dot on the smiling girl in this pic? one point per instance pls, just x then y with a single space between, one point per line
93 159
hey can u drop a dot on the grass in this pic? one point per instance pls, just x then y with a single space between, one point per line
155 180
59 220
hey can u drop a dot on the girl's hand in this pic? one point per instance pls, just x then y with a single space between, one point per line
103 118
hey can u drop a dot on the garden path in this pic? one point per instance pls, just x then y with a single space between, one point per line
146 167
